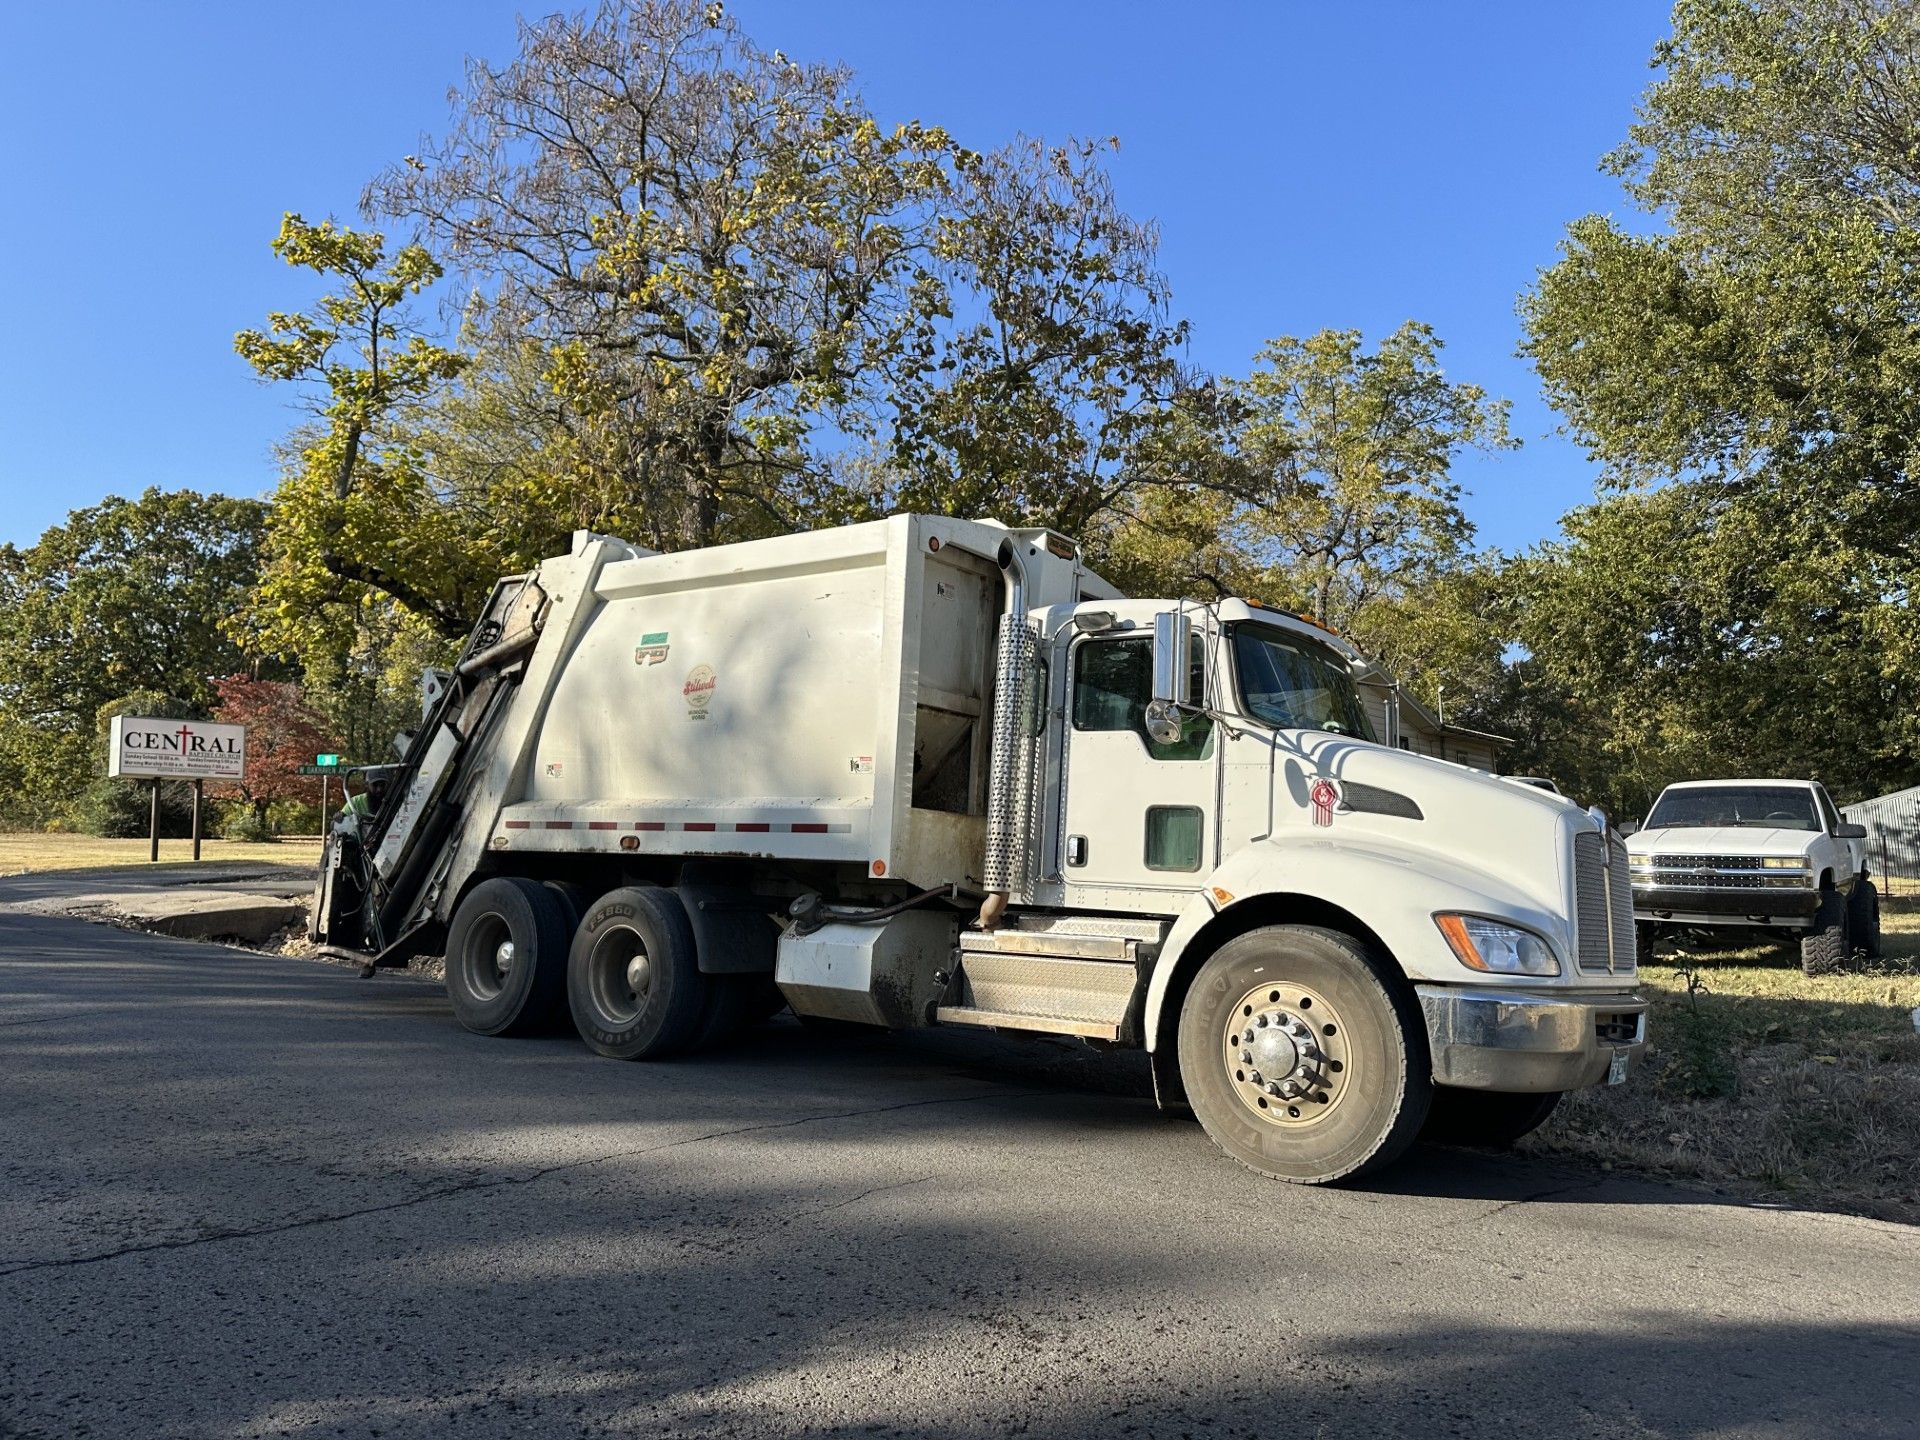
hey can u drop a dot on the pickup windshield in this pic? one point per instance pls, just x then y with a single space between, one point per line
1770 807
1292 684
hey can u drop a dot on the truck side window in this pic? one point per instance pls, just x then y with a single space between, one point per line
1112 683
1828 815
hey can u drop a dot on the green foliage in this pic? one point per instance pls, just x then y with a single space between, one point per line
714 247
1322 483
1701 1039
1757 361
119 809
127 598
243 822
1040 367
344 519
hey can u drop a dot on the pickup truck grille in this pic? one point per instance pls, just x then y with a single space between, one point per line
1716 872
1603 905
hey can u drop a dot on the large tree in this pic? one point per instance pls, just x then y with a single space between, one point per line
713 244
127 595
1323 483
1754 347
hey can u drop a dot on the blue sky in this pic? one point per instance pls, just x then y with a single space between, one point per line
1309 165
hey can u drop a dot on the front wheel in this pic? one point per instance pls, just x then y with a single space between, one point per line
1302 1057
1826 947
1864 918
1485 1117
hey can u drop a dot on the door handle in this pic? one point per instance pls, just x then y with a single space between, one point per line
1076 849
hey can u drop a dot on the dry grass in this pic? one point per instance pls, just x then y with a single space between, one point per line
20 853
1768 1083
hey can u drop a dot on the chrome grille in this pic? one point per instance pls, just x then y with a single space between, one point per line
1716 872
1602 905
1702 862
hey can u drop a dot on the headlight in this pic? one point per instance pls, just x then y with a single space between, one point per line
1640 862
1488 945
1785 862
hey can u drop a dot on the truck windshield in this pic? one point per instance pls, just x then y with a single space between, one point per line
1293 684
1772 807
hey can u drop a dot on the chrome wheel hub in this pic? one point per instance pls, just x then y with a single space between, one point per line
1286 1053
503 957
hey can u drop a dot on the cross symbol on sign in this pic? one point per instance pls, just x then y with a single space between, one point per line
184 733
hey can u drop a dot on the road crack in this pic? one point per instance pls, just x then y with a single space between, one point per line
480 1184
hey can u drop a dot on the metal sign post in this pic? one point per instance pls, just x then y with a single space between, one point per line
199 792
324 766
153 824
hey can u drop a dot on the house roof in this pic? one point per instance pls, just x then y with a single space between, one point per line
1377 674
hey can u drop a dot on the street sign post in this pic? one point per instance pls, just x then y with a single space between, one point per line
145 748
323 766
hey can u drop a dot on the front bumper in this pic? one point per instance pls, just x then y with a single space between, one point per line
1662 902
1529 1041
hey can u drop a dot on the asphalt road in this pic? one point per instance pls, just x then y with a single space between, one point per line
243 1195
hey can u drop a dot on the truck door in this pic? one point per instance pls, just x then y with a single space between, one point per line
1139 829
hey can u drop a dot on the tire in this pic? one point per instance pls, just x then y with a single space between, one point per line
1324 994
730 1007
1486 1118
577 898
1863 918
633 981
1642 945
506 957
1826 947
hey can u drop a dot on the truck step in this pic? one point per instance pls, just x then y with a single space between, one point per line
1060 993
1012 1020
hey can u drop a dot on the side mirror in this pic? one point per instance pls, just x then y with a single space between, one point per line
1850 831
1172 643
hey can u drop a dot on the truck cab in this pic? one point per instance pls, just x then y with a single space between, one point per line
929 771
1755 855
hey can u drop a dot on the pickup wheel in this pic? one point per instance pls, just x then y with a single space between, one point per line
1826 947
506 957
1863 918
1643 938
1488 1118
633 981
1301 1056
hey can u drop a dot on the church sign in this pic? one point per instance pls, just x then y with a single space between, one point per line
143 749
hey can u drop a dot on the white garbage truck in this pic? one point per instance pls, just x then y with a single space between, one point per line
929 771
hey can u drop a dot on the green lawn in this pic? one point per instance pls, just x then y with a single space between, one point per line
22 852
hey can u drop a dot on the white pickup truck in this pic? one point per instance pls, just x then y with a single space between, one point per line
1766 854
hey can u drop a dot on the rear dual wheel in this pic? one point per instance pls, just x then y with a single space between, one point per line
1301 1057
633 979
507 957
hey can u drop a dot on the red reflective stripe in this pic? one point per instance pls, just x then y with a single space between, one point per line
603 824
808 827
753 825
649 824
559 824
518 824
699 825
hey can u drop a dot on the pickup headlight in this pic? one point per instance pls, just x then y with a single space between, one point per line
1497 948
1785 862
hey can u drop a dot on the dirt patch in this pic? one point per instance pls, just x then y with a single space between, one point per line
1768 1083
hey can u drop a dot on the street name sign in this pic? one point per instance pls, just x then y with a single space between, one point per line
149 749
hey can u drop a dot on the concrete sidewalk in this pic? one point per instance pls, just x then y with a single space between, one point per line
206 901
